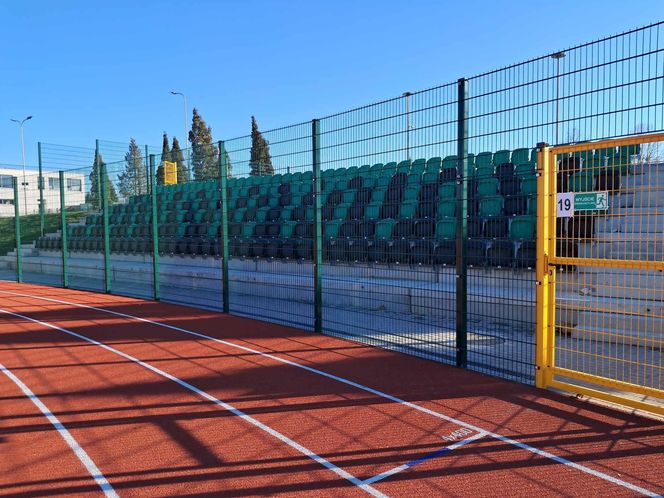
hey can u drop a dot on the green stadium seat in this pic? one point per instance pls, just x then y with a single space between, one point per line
417 167
408 209
447 191
384 228
433 165
414 179
376 169
404 166
483 159
487 187
485 171
341 211
446 229
524 170
348 197
389 169
501 157
372 211
523 227
287 229
520 156
492 206
378 194
533 155
331 229
411 193
446 208
430 177
529 185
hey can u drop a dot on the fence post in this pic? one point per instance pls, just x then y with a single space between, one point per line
152 183
97 166
543 277
63 230
462 228
223 186
147 158
318 229
101 173
17 232
40 185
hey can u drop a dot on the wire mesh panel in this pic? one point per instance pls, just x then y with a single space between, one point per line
189 215
388 209
9 195
125 185
607 88
271 215
84 241
607 206
41 265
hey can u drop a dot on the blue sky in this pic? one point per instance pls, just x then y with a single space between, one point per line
89 70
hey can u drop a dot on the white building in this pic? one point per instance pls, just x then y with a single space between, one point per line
29 193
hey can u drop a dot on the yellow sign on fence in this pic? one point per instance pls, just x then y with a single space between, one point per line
170 173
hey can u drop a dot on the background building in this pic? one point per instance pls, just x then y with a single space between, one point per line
29 193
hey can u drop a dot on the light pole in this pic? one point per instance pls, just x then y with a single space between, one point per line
184 101
557 56
407 95
25 192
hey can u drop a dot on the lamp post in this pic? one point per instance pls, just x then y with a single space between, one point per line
25 192
557 56
408 126
184 102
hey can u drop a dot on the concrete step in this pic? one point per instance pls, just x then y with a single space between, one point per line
627 236
648 221
629 250
641 199
627 285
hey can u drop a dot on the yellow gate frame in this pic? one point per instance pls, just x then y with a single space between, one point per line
546 369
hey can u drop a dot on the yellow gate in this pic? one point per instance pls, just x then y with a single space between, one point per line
600 270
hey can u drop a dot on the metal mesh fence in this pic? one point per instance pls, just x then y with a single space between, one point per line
408 224
388 211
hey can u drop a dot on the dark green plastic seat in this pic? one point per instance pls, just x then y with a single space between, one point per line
523 227
501 157
529 185
487 186
520 156
446 229
446 207
491 206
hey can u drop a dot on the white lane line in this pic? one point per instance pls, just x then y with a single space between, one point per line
226 406
425 458
65 434
395 399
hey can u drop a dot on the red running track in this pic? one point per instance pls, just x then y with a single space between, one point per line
254 408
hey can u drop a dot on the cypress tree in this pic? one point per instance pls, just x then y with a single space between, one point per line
260 161
92 197
133 180
178 157
165 156
204 154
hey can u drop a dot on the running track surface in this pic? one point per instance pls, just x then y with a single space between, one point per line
267 409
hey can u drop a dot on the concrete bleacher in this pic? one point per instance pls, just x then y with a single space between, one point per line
384 218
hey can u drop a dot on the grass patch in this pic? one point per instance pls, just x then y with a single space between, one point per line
30 228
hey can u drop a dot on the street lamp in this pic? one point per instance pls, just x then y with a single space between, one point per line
408 126
184 101
557 56
25 192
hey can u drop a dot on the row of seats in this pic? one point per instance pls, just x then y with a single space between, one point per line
401 212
